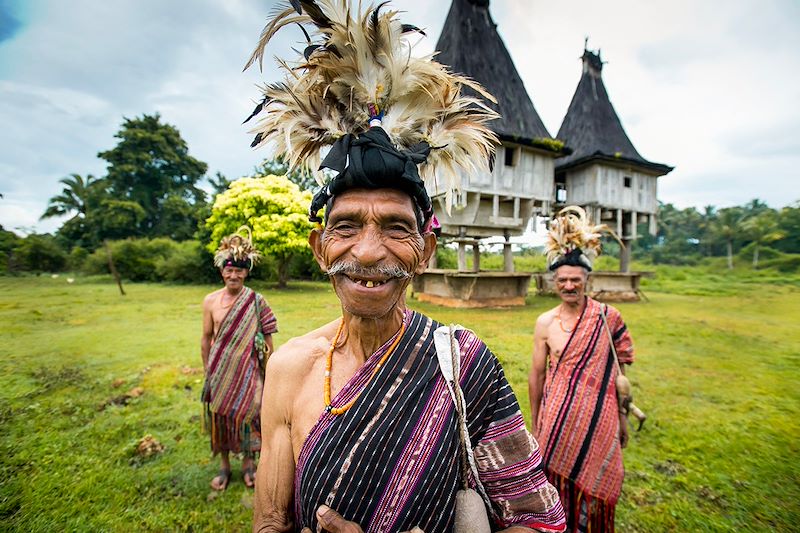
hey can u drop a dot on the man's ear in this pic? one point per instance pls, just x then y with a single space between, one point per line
427 253
315 241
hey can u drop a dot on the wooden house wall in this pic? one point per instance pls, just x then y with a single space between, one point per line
530 178
605 186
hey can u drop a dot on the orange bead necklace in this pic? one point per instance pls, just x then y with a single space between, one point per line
329 364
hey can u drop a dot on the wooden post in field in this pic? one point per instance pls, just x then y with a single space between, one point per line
113 268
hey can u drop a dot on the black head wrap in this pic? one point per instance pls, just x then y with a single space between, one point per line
240 263
371 161
575 257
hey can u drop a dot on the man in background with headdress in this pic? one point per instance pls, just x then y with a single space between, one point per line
237 331
360 430
575 411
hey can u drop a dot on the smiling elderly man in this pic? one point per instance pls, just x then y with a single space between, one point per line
358 423
574 406
360 430
233 317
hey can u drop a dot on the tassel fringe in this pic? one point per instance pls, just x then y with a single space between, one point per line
230 435
585 513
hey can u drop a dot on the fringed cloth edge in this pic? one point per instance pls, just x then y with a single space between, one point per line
585 513
230 435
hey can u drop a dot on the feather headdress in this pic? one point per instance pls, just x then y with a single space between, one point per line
573 240
358 74
237 250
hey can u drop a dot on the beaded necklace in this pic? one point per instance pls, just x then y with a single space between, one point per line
329 364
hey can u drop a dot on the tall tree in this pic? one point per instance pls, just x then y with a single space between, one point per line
80 197
151 166
74 197
789 222
276 211
762 229
727 226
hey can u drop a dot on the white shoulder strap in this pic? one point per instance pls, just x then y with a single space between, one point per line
449 355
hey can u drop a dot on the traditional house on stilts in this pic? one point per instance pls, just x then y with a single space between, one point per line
520 185
604 173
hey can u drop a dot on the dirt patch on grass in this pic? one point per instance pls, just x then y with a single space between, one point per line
48 379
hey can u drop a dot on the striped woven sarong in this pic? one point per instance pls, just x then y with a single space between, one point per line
579 420
233 385
391 462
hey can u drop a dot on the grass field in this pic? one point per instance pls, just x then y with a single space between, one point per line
717 372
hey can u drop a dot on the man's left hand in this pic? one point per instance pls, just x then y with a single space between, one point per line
623 430
331 521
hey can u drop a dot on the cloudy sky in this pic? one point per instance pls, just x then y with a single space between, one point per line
708 86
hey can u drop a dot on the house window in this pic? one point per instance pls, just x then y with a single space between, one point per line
627 181
511 156
561 188
561 193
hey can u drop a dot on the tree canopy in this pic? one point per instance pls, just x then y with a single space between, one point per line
151 166
274 208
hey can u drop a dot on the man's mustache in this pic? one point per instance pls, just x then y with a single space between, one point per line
351 268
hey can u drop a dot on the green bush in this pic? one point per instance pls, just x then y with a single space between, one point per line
304 266
188 262
135 259
163 259
77 257
446 258
39 253
788 263
764 253
8 241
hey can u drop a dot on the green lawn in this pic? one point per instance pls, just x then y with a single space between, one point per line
717 372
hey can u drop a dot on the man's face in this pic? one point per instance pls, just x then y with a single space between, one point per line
234 277
571 283
370 241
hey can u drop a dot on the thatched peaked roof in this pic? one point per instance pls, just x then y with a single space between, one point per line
592 128
470 45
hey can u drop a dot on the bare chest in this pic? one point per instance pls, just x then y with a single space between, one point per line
557 340
220 307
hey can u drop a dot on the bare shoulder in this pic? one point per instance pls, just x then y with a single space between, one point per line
546 318
210 299
297 356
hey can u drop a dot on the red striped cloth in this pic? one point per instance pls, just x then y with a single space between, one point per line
232 390
579 418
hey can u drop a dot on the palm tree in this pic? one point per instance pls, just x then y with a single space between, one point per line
727 225
74 197
762 229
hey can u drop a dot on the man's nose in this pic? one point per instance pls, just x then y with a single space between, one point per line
369 249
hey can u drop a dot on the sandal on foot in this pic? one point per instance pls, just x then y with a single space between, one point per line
224 477
249 471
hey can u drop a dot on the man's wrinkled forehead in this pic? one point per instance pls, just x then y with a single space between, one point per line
567 272
387 203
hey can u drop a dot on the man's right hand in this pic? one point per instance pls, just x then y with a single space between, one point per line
331 521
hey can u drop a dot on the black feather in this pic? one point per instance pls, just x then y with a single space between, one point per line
258 109
310 49
256 140
335 51
374 30
408 28
308 37
315 12
296 6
